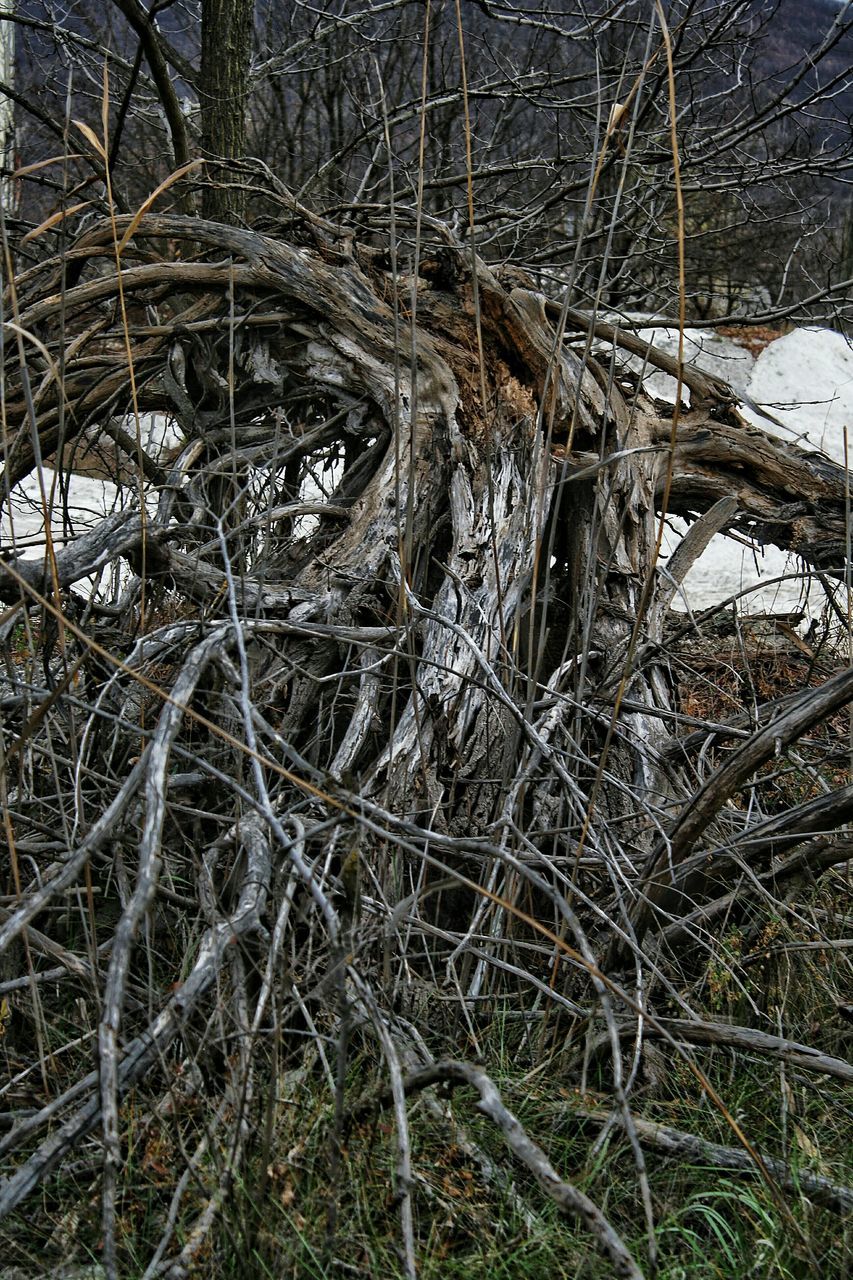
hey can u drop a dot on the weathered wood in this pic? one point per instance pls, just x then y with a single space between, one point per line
661 888
567 1197
678 1145
429 526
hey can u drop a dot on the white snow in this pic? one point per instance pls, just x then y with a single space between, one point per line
706 349
86 499
805 380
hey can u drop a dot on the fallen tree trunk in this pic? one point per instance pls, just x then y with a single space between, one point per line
414 534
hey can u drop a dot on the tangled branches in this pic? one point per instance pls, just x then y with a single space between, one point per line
366 702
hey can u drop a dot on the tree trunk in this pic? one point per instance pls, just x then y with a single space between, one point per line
226 51
507 543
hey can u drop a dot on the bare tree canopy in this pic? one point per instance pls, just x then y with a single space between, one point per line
568 152
363 725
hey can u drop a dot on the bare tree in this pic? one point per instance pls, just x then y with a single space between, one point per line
765 145
374 701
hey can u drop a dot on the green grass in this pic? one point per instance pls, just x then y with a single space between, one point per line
709 1223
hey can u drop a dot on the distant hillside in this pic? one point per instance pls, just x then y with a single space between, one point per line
796 29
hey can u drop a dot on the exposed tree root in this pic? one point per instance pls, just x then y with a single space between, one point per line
370 695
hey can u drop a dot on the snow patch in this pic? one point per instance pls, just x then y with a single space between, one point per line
84 501
805 380
707 350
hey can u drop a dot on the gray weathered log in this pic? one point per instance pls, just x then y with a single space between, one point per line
695 1150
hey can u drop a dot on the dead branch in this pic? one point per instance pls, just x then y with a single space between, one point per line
567 1197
